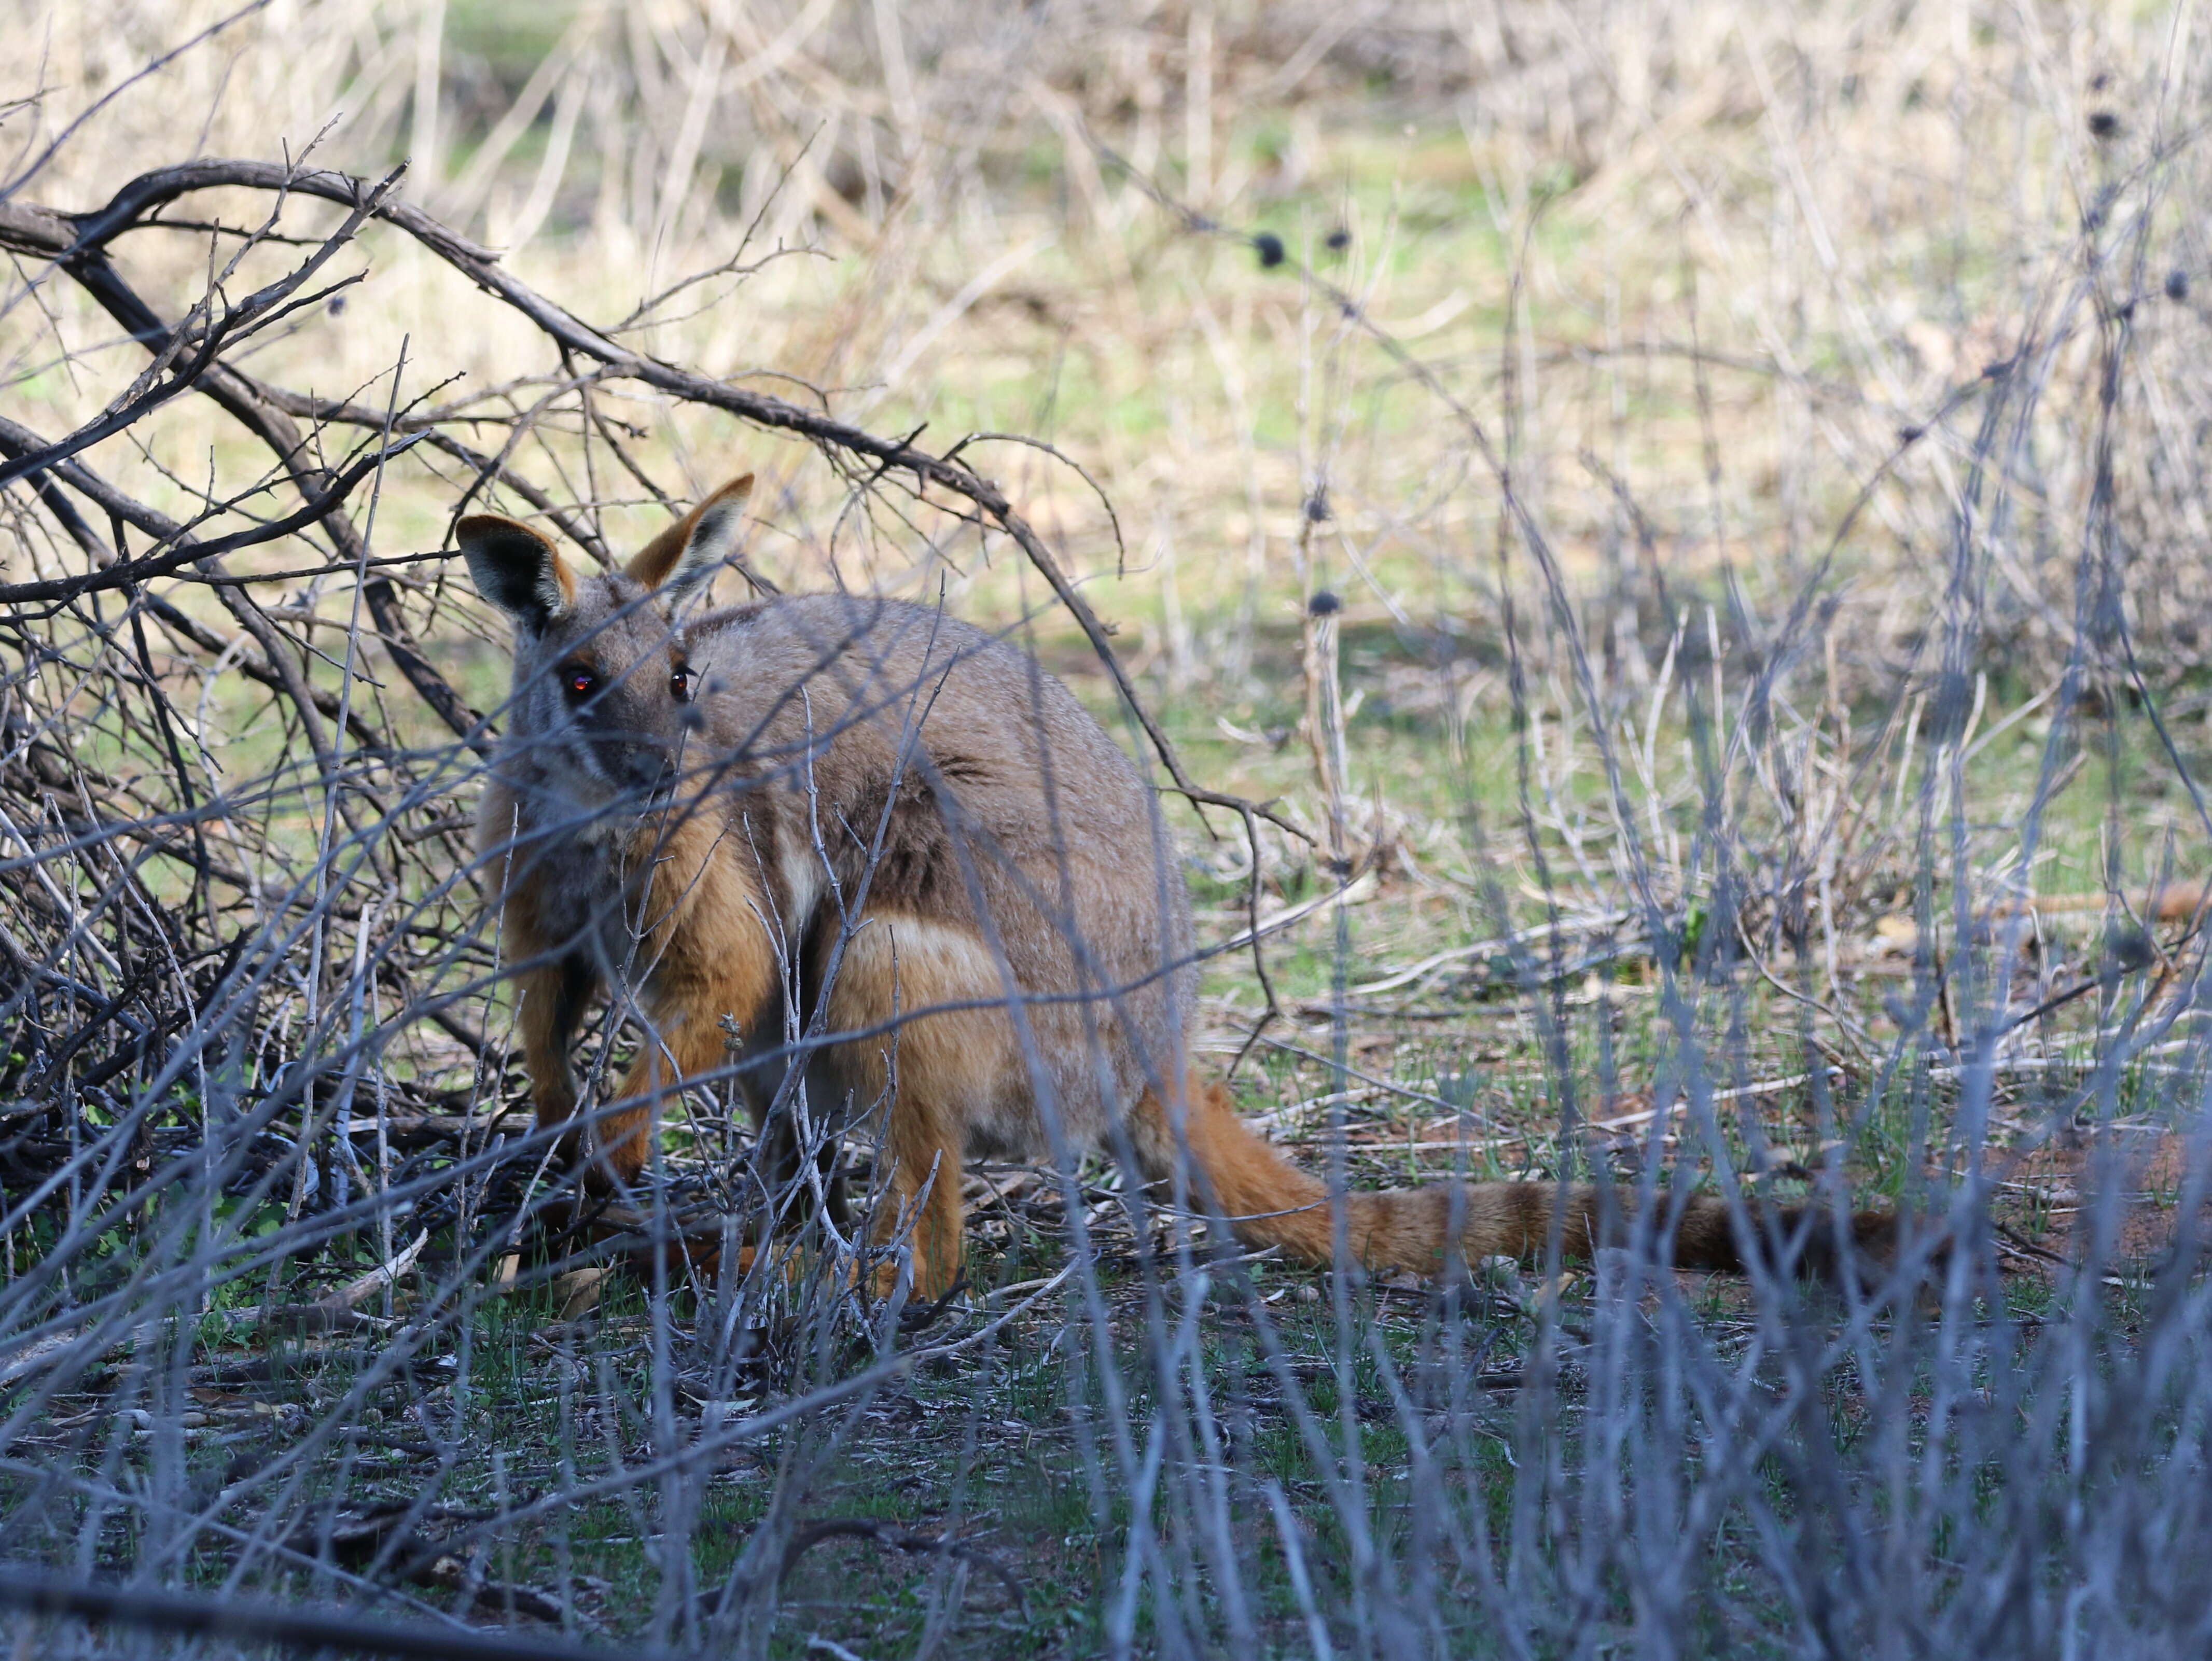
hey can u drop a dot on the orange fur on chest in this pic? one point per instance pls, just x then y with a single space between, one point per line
697 951
696 907
704 956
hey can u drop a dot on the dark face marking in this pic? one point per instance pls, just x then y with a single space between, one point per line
611 690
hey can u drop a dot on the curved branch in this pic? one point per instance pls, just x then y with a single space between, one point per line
77 239
184 550
77 243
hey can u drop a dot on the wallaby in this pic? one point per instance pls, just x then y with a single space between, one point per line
893 834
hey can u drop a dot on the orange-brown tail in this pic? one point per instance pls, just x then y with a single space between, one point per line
1271 1202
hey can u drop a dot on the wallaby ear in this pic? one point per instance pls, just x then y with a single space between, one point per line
515 568
692 549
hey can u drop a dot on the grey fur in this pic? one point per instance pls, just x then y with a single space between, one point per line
874 764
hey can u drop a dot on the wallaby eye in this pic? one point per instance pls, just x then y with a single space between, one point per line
578 683
679 684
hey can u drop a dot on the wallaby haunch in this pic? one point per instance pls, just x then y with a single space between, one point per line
864 821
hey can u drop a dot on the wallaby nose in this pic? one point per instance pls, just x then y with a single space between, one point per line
641 761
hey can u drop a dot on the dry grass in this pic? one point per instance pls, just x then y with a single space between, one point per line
1759 452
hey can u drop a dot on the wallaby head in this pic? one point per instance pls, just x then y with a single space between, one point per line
604 689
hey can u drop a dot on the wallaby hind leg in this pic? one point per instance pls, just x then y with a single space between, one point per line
922 1148
782 1163
942 1074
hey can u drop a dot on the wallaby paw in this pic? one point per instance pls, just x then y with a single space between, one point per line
883 1280
608 1172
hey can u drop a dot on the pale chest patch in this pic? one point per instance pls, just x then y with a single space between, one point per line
800 870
